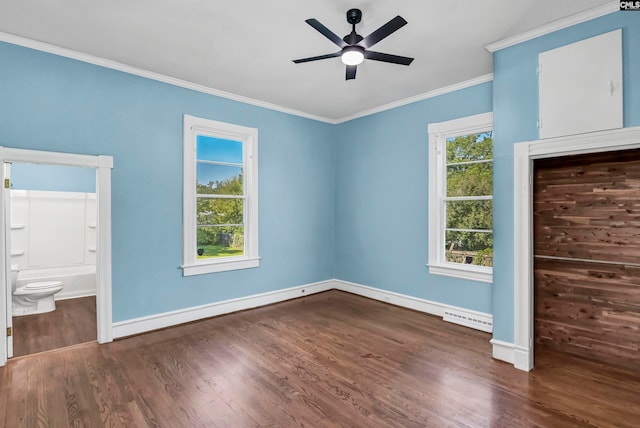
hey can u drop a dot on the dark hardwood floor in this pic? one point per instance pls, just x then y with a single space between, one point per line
73 322
331 359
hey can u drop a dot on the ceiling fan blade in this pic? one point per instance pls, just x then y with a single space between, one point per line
395 59
382 32
351 72
315 58
326 32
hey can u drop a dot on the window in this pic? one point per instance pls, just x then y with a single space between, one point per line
461 197
220 197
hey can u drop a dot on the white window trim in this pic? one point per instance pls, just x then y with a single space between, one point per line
438 134
194 126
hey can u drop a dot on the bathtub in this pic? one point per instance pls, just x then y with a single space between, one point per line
79 281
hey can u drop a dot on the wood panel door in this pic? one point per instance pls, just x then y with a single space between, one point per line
587 256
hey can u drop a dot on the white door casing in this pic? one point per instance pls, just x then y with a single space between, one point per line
103 166
6 166
524 155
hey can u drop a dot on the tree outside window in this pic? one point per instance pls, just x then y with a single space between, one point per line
220 198
468 200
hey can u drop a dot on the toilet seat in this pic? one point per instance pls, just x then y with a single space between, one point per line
41 285
38 287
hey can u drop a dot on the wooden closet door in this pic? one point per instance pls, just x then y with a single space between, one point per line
587 256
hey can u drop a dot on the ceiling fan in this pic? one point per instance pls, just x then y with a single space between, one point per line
354 47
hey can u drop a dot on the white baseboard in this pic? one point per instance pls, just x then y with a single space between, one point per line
168 319
503 351
473 319
522 358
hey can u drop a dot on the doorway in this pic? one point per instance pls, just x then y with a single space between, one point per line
101 165
52 238
521 352
586 233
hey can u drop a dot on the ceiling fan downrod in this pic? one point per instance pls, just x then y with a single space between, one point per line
354 16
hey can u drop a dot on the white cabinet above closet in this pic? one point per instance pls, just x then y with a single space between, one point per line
581 86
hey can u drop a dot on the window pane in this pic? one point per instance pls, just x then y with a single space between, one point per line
475 248
219 211
224 241
474 179
219 150
469 214
218 179
467 148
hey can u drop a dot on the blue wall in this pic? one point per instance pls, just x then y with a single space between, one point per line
381 175
52 103
515 107
346 201
382 193
26 176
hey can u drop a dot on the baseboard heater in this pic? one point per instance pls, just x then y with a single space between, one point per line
468 320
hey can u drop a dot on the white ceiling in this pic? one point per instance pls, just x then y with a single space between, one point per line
245 47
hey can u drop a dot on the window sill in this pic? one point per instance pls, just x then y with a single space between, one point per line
220 266
480 274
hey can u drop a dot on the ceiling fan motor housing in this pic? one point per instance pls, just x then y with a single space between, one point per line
354 16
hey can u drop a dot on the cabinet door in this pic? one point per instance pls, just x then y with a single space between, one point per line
581 86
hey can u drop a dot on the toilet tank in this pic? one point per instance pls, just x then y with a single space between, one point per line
14 277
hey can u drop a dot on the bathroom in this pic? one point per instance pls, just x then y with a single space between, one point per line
52 220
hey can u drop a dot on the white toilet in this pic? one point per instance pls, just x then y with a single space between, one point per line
34 297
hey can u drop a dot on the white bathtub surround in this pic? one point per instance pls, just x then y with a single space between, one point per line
53 238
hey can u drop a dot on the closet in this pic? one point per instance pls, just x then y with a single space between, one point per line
587 256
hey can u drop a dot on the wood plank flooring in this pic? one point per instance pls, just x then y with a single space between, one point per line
327 360
73 322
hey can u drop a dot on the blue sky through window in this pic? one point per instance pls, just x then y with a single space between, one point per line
219 150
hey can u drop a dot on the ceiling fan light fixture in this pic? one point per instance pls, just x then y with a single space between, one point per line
354 48
352 55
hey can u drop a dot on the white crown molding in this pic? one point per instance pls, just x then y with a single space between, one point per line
114 65
612 6
431 94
